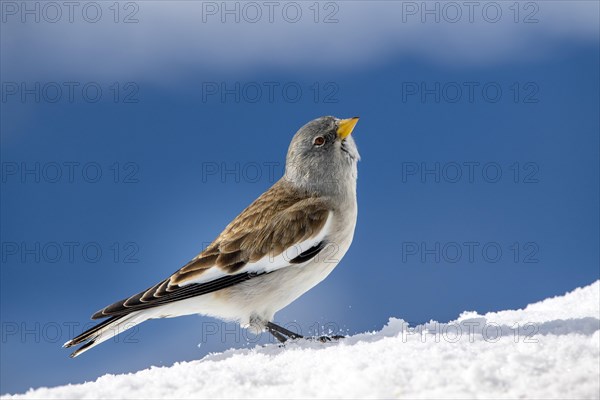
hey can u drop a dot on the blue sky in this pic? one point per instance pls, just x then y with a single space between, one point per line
127 147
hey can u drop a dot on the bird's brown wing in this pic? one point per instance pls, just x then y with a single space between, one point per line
283 227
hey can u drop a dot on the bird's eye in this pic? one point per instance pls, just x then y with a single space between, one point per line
319 141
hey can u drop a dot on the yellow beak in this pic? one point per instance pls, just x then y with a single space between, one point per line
346 126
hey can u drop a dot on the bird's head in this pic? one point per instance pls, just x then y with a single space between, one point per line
322 156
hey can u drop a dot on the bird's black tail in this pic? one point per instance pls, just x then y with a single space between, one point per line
103 331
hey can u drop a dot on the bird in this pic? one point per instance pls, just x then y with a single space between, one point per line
279 247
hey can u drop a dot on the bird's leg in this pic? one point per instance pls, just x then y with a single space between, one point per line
281 333
277 335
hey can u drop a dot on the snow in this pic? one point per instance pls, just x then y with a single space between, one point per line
550 349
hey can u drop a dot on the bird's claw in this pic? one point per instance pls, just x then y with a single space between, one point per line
326 339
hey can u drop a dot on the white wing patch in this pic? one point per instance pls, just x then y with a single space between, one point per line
269 263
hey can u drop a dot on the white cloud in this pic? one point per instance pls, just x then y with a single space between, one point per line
171 38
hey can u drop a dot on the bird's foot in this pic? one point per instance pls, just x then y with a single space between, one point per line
327 339
282 334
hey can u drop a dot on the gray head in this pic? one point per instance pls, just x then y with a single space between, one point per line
322 156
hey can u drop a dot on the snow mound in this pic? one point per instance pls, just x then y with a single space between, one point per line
550 349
